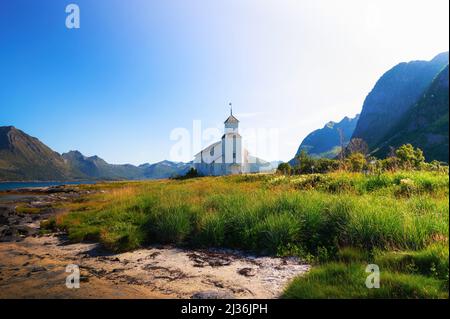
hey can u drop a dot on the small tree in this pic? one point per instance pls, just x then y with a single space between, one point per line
409 157
374 165
390 164
356 162
305 163
406 156
325 165
284 168
419 158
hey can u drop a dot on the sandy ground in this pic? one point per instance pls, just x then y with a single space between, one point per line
35 268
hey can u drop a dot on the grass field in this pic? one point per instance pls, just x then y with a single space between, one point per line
340 222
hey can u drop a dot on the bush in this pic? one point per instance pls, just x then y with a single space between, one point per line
410 157
356 162
191 173
284 168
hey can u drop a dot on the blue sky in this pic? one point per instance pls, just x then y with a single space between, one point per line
136 70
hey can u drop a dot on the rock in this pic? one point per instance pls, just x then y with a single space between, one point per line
212 295
154 254
248 272
38 269
5 213
39 204
13 220
25 230
3 230
116 270
26 219
208 258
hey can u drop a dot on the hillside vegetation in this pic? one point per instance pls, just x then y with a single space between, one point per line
425 125
339 221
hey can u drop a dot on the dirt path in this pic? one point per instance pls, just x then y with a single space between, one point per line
35 268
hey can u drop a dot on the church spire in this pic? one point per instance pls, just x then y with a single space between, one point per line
231 118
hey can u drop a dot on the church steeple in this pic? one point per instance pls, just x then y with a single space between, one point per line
231 123
231 119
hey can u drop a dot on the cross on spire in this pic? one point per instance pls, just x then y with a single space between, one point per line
231 108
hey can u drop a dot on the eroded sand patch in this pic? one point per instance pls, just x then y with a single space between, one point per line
35 267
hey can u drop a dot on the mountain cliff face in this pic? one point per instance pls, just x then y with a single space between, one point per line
426 124
395 93
325 142
23 157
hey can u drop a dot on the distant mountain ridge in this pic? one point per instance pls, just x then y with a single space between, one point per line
326 142
24 158
97 168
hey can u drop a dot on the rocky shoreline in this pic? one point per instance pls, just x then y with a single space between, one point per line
21 210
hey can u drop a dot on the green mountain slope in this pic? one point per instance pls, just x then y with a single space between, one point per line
394 94
426 124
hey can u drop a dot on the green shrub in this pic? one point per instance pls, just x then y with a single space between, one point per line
284 168
275 231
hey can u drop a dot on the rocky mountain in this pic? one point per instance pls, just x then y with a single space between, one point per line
164 169
23 157
393 96
326 142
97 168
426 124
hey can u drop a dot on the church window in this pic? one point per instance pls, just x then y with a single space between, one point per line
212 151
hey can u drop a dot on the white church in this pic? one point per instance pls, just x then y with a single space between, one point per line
228 156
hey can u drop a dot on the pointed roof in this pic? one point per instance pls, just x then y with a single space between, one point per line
231 118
